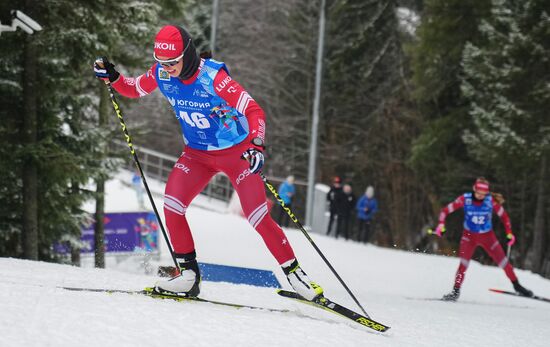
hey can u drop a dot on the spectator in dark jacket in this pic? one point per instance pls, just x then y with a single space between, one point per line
345 204
332 196
366 208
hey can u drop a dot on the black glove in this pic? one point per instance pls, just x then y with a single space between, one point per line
255 158
105 70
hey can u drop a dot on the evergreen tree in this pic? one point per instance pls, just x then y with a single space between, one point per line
277 70
368 122
439 155
506 83
270 47
49 76
10 182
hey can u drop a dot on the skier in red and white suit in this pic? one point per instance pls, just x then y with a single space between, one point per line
221 124
478 207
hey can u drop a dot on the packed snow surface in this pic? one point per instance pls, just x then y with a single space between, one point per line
392 285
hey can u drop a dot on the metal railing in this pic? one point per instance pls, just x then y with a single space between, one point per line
158 166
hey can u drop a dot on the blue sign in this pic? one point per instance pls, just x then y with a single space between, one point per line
124 232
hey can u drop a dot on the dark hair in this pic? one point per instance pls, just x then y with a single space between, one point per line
206 54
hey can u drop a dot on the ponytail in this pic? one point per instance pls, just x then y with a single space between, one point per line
498 198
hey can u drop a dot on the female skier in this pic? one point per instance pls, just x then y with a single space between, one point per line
478 207
222 125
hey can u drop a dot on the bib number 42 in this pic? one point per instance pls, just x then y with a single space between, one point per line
478 220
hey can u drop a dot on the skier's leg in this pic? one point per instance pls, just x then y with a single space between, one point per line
468 244
251 191
253 200
491 245
187 179
465 252
189 176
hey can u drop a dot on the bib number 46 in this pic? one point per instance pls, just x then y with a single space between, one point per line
195 119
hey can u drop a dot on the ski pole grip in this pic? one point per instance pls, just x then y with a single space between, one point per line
100 63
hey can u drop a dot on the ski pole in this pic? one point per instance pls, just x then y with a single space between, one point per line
138 165
306 234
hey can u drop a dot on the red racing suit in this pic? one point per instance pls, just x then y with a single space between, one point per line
471 239
195 167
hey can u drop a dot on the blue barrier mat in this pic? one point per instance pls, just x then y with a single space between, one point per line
239 275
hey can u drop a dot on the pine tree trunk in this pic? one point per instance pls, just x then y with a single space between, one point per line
538 245
75 256
99 229
30 141
522 232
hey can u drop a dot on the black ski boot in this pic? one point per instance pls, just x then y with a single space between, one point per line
522 290
452 296
187 283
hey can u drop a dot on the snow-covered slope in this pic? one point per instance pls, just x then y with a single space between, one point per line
390 285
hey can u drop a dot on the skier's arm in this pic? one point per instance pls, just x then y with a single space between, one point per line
136 87
450 208
504 217
235 95
127 86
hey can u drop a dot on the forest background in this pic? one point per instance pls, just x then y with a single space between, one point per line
418 98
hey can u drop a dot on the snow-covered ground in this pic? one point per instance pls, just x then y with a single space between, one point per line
390 284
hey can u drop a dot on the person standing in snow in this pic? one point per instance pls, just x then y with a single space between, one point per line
345 203
138 188
366 208
479 206
286 191
333 195
222 125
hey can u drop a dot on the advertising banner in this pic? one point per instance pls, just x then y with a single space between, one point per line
124 232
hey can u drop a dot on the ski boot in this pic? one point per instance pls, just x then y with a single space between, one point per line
522 290
298 279
187 283
453 295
